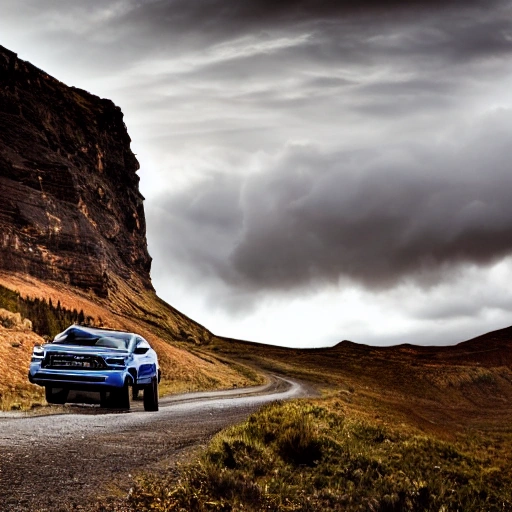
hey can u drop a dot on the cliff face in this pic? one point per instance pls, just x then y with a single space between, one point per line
70 206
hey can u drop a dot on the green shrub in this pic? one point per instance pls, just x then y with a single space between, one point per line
46 319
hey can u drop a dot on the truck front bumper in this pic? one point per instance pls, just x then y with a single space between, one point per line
97 380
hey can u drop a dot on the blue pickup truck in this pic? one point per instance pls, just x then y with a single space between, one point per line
97 361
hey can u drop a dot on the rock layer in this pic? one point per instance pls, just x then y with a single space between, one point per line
70 205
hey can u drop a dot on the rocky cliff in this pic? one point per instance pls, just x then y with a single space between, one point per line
70 206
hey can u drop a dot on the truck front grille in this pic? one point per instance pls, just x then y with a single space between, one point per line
73 361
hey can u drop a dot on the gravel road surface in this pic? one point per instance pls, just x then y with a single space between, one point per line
75 459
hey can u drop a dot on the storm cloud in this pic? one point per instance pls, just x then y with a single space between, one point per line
376 217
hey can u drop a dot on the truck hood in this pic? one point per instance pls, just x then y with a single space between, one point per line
62 348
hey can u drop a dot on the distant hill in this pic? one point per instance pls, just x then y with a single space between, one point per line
490 349
493 348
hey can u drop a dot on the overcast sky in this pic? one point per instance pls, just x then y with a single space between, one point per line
313 170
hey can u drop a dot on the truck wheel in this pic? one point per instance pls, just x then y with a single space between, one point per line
103 399
151 396
55 395
120 398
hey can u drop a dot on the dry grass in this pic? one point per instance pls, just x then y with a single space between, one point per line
69 298
15 351
317 455
128 309
438 390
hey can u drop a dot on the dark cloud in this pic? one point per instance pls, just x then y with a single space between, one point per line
432 64
211 13
443 36
116 33
377 218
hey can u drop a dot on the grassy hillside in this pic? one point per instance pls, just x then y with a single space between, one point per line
320 455
437 389
130 309
398 429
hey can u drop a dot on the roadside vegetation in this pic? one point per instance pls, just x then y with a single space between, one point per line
312 456
46 318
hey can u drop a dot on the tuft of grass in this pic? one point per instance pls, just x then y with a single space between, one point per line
311 456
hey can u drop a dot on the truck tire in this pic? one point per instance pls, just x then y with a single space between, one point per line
120 398
55 395
151 396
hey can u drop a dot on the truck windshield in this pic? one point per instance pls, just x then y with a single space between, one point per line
111 342
77 336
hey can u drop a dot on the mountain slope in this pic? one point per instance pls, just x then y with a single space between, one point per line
72 226
71 213
68 184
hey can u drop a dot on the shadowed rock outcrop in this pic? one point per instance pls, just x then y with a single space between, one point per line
68 184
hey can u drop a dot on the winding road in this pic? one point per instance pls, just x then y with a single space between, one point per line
70 461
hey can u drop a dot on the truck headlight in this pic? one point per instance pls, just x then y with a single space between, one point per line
116 361
38 352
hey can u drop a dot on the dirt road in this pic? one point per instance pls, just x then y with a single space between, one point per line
72 460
